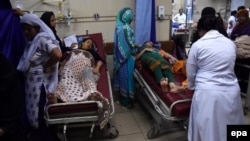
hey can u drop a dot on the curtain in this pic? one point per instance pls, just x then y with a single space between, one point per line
189 9
12 39
145 21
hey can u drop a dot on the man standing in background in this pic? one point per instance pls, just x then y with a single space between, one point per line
180 19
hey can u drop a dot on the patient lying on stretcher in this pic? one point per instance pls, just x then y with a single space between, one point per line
77 83
153 59
89 45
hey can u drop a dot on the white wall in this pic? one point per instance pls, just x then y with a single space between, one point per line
83 11
247 3
236 3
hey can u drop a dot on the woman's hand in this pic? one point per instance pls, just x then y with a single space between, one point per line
137 45
48 69
18 11
74 45
52 99
173 60
55 57
63 62
149 49
96 70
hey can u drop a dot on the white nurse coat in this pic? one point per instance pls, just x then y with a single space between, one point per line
216 102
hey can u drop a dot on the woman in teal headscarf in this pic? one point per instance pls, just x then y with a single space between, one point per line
124 51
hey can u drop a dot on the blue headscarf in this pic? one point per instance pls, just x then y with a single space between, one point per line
124 41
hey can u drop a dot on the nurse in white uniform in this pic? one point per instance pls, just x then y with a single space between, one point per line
210 71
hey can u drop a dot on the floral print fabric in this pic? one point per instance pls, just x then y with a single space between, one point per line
77 83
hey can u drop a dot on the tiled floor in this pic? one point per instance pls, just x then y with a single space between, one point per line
133 125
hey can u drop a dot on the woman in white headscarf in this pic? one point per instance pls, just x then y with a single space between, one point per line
39 64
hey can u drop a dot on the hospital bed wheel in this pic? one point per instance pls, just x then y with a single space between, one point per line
154 131
185 124
113 133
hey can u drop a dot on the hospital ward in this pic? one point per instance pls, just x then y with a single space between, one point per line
124 70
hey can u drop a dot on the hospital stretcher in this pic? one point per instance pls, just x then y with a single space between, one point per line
163 107
78 114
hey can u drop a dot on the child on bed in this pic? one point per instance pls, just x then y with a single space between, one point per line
89 45
154 59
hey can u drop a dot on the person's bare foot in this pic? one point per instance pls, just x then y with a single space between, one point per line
164 85
176 89
52 99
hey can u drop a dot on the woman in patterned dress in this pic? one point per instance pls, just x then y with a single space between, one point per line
124 60
39 64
